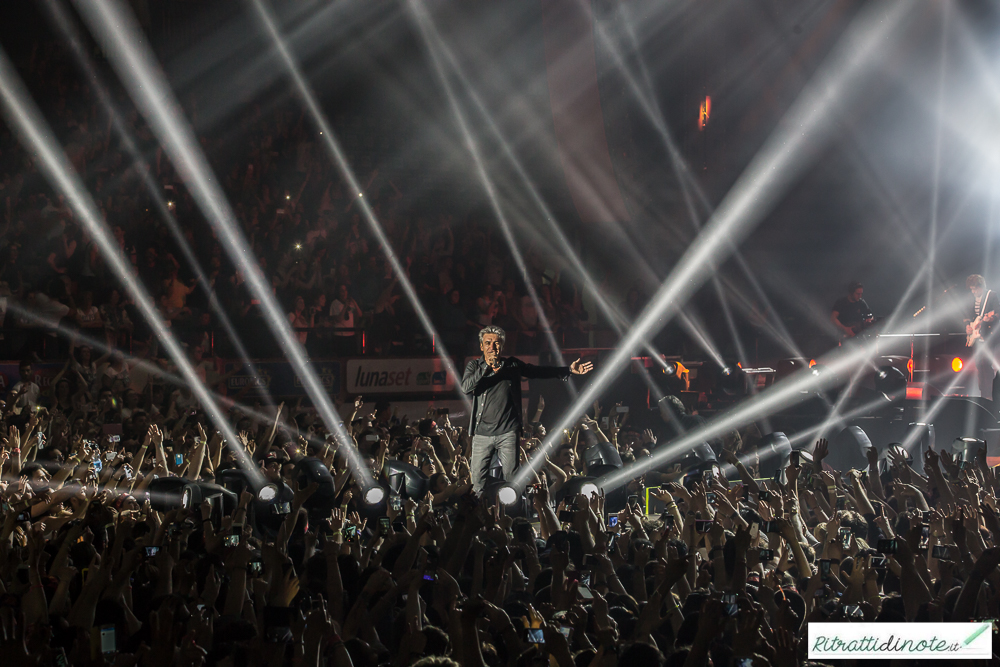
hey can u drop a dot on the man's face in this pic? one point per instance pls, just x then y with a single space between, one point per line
977 291
272 469
565 457
25 372
857 294
491 346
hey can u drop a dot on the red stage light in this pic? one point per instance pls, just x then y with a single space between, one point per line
704 112
956 364
812 362
914 393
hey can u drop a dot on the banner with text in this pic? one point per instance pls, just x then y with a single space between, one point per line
397 376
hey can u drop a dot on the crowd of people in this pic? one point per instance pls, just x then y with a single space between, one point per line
693 564
305 230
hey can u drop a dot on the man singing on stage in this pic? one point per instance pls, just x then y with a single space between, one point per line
495 385
979 324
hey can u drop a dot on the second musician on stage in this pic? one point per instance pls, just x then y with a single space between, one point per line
851 314
980 320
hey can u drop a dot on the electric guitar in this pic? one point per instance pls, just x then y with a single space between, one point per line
867 320
976 328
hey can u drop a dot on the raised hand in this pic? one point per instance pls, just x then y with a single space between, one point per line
930 459
155 435
786 647
821 451
872 454
579 367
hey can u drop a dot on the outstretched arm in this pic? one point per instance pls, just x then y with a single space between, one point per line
531 371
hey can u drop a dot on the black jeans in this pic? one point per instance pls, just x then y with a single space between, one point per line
984 355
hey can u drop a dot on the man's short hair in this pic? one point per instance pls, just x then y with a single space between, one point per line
975 280
854 287
493 329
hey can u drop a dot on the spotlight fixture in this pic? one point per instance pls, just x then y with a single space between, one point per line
601 458
920 439
266 516
849 449
373 495
733 380
967 448
574 486
311 470
897 449
774 451
890 382
515 503
406 480
167 493
237 480
507 494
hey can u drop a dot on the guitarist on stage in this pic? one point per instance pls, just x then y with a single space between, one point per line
850 313
979 324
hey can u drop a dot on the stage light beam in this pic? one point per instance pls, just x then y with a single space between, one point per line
340 160
793 390
419 14
116 30
27 121
164 207
772 170
614 315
